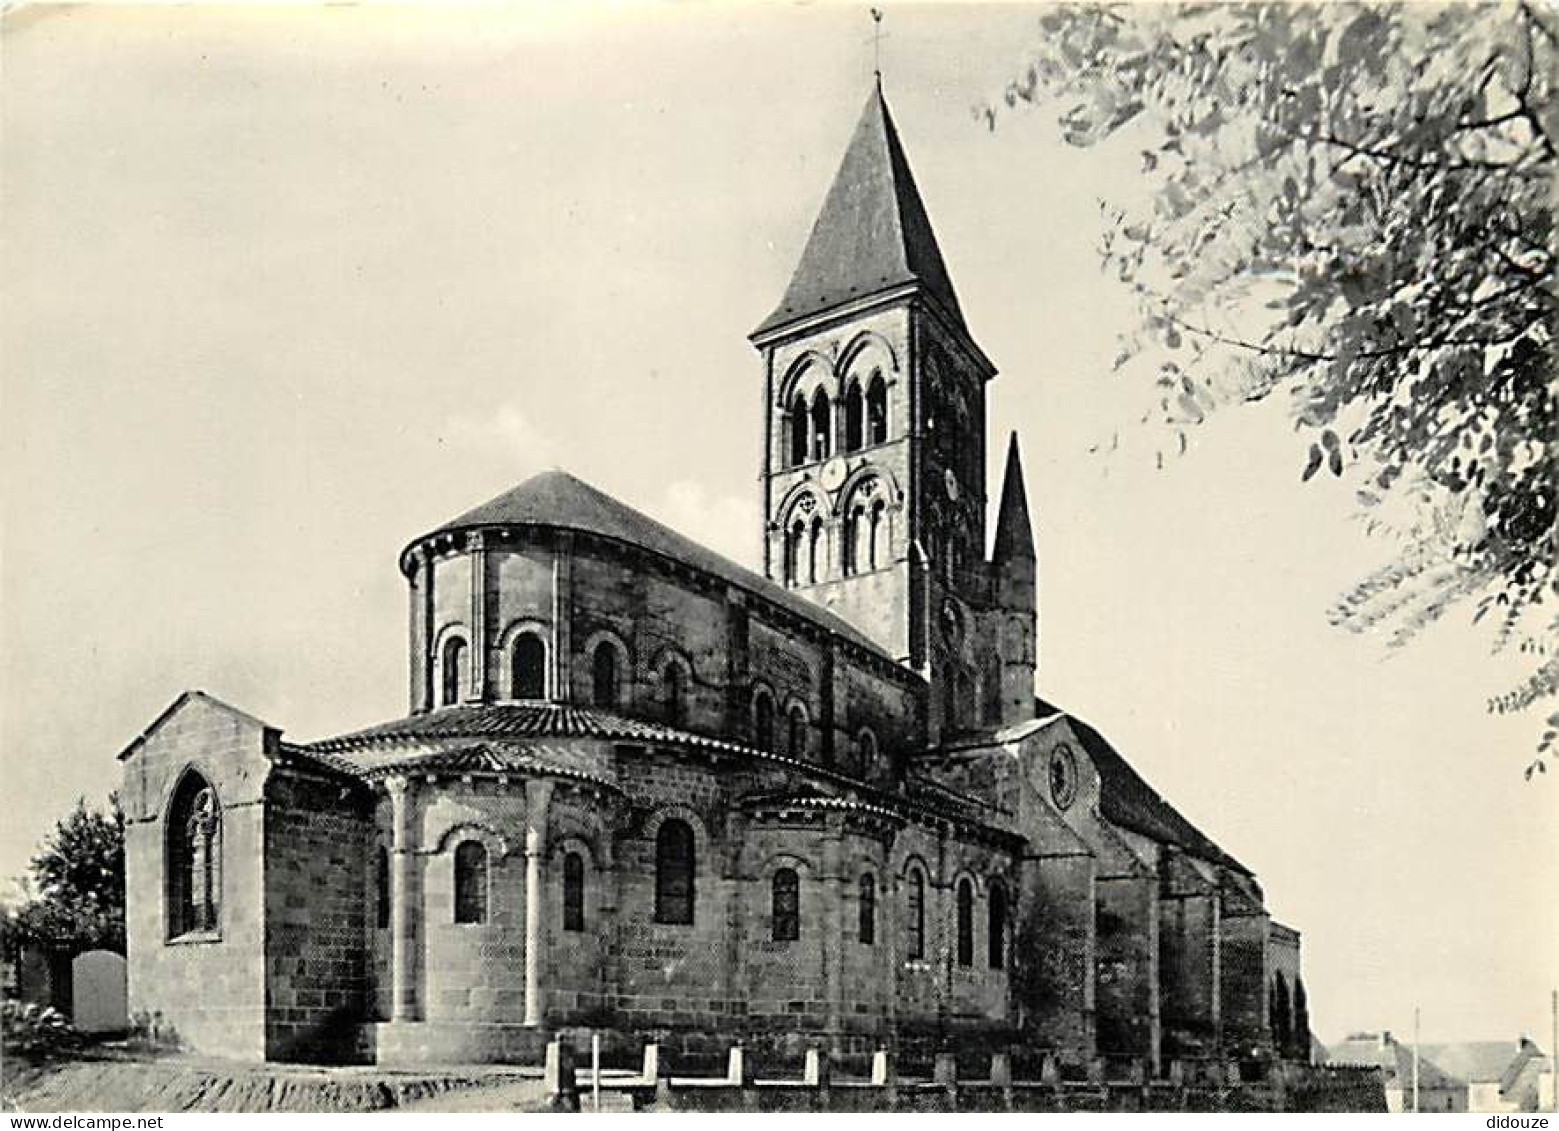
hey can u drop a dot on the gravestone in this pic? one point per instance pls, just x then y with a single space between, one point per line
98 992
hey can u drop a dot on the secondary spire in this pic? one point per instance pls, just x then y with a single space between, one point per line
1014 531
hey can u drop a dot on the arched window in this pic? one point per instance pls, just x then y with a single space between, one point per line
673 691
798 431
854 411
454 670
381 887
787 905
674 868
822 422
877 410
793 540
996 928
866 753
1301 1020
878 529
471 882
866 910
965 923
530 667
763 720
796 744
194 858
850 535
603 674
815 551
915 914
573 892
1282 1017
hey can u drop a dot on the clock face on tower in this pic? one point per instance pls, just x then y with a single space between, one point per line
833 474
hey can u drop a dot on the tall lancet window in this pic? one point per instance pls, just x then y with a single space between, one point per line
763 720
850 556
194 858
800 425
877 410
815 551
854 412
530 667
603 675
573 892
454 670
793 540
675 869
822 425
877 528
786 906
915 914
796 745
996 926
965 912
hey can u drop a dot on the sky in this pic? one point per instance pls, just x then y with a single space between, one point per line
282 289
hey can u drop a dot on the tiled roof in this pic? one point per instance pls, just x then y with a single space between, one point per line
515 721
816 801
558 499
872 235
1127 800
497 757
1394 1057
1477 1062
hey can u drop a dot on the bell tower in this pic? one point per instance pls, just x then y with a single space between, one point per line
874 441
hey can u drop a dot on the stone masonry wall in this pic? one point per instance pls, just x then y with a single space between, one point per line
1188 929
1127 990
205 992
318 853
1243 982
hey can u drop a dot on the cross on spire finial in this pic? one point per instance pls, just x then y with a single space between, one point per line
877 44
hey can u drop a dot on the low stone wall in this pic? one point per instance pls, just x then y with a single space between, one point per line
1207 1088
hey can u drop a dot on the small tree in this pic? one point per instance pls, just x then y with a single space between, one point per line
76 886
1351 204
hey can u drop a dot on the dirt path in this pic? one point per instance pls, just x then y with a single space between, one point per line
173 1084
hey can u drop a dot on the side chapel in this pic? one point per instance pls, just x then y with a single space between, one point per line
644 790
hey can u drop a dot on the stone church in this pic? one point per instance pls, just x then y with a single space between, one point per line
644 790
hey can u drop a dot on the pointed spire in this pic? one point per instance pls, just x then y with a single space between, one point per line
873 234
1014 533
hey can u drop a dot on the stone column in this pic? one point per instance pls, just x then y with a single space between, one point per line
834 892
404 1003
560 686
422 661
538 796
477 546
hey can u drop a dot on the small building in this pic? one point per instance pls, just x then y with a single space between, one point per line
1501 1076
1437 1090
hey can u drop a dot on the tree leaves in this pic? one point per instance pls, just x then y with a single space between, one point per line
78 883
1351 203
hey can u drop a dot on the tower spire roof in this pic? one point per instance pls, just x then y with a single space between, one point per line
873 234
1014 532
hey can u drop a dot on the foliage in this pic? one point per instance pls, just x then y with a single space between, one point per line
77 884
1350 205
35 1031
